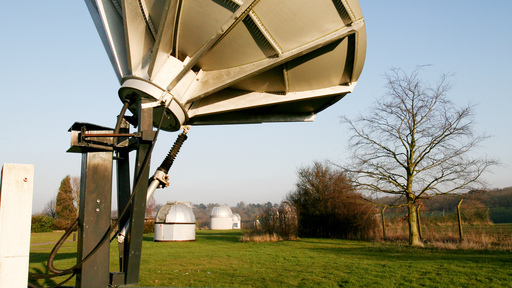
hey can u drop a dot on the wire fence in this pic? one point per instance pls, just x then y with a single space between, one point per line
474 227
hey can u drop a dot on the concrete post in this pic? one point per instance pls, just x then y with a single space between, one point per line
16 189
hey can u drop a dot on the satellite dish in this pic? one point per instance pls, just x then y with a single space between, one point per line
233 61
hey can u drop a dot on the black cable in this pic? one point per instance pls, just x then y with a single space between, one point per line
120 118
57 272
138 178
56 248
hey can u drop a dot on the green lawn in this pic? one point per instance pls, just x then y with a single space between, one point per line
218 259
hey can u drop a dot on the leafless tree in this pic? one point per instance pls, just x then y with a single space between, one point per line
75 186
151 207
415 143
49 209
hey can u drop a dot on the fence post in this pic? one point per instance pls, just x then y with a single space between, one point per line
383 222
460 220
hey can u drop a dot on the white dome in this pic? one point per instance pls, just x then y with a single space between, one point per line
180 213
175 212
175 221
236 217
221 218
222 211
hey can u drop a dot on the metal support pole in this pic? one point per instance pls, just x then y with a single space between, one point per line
95 202
94 218
123 188
133 246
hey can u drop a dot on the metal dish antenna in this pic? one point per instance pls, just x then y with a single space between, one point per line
233 61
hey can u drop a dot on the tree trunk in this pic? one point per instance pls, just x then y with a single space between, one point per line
419 221
383 222
414 235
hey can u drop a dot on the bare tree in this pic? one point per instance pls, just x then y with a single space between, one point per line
49 209
151 207
75 186
415 143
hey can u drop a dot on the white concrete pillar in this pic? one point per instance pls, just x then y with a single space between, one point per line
16 189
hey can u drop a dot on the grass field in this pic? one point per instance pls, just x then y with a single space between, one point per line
218 259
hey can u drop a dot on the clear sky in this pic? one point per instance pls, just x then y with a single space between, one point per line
55 72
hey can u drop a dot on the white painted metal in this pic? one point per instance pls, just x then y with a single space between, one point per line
237 221
109 24
175 221
151 189
233 61
16 190
221 218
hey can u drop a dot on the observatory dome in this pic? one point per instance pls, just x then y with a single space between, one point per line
180 213
175 221
222 211
233 61
221 218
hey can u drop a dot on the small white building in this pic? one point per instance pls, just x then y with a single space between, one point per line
237 221
175 221
221 218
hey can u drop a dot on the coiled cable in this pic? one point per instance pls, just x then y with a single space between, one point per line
73 270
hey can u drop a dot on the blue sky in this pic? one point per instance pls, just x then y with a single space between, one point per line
55 72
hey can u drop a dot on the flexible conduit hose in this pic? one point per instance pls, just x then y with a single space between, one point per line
73 270
164 168
126 104
167 162
74 225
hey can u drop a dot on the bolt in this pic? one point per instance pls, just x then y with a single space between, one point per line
97 209
98 201
25 179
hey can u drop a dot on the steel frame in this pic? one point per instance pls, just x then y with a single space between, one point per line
96 144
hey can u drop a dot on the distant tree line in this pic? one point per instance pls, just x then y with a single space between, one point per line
325 203
248 212
499 202
481 206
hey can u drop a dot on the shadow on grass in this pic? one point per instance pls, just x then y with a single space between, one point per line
43 277
47 282
411 254
217 236
148 238
43 257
